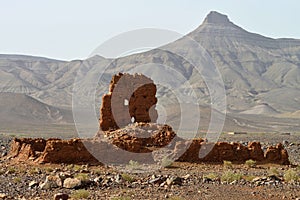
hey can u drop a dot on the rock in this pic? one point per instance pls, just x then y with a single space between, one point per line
51 182
158 180
3 196
33 184
72 183
174 181
61 196
98 180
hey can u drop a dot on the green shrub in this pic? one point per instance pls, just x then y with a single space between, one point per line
80 194
273 171
250 163
166 162
17 180
227 164
11 170
230 176
133 165
249 178
211 176
291 175
128 178
83 177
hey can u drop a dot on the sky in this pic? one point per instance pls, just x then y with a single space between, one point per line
72 29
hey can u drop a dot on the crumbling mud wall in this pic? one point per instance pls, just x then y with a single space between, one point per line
141 137
51 151
96 151
235 152
74 151
131 98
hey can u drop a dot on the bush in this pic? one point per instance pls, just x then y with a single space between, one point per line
83 177
250 163
166 162
133 165
230 176
80 194
291 175
227 164
273 171
211 176
128 178
249 178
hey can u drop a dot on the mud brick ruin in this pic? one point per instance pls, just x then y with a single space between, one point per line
131 98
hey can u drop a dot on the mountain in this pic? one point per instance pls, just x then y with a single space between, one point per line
23 109
255 69
261 75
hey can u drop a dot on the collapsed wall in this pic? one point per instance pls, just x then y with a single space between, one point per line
51 151
74 151
95 151
235 152
131 98
141 137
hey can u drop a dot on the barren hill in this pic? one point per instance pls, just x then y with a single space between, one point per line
261 75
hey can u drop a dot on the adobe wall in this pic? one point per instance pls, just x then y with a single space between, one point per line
234 152
74 151
130 97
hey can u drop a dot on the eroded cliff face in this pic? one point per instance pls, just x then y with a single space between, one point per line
131 98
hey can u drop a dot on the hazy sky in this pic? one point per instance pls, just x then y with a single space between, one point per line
72 29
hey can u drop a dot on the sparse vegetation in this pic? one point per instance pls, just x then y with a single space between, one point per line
211 176
227 164
80 194
133 165
49 169
250 163
121 198
34 171
11 170
2 171
17 180
82 176
77 167
128 178
249 178
166 162
273 171
291 175
230 176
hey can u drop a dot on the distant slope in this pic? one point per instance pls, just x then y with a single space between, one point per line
261 75
17 109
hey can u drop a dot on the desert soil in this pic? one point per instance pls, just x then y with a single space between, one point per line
179 181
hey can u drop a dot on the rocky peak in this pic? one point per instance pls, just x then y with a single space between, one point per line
216 18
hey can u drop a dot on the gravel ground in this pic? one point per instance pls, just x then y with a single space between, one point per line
179 181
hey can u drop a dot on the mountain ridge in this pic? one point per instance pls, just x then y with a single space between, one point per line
259 73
